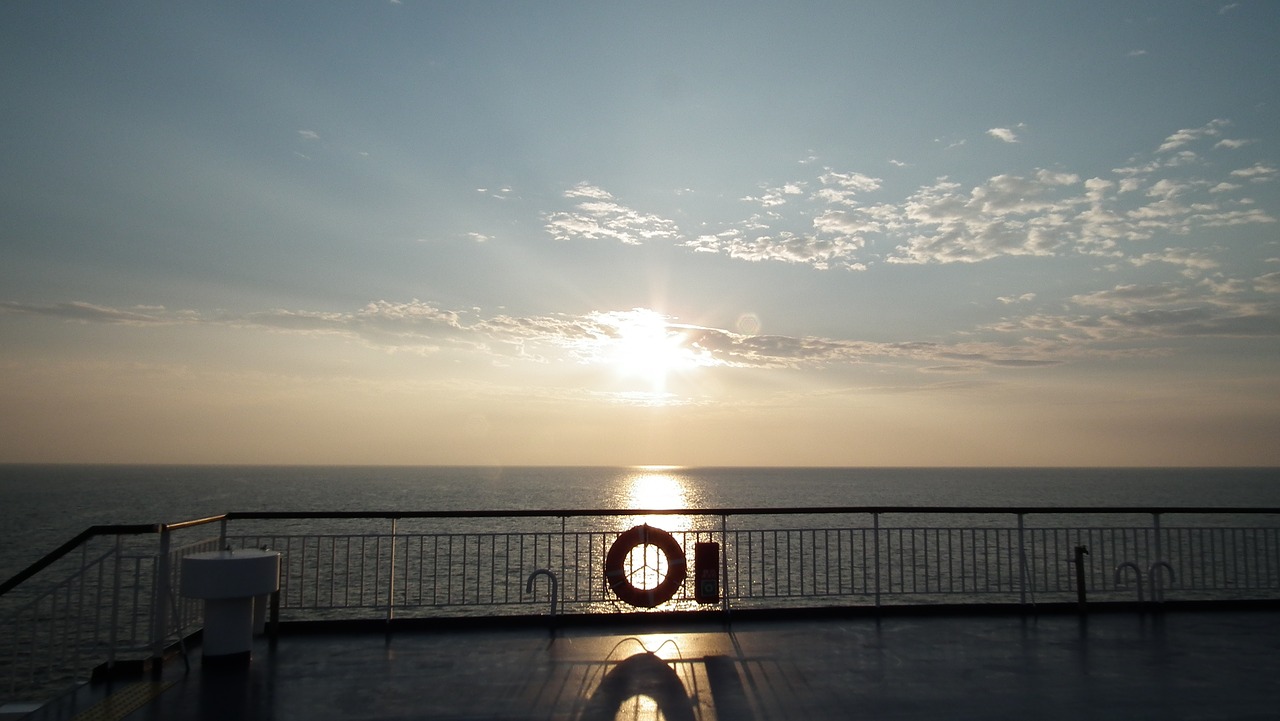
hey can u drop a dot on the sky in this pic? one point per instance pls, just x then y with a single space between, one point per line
603 233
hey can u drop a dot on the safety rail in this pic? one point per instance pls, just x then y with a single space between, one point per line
109 596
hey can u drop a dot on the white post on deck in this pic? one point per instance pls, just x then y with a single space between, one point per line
160 600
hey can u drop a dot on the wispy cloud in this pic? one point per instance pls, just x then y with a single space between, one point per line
593 338
1256 173
1188 135
308 135
599 215
90 313
1006 135
1010 299
1231 143
1127 317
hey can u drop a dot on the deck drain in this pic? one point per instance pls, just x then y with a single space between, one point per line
123 702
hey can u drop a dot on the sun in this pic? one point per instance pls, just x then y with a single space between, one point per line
645 344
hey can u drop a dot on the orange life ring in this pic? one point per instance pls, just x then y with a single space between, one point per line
615 573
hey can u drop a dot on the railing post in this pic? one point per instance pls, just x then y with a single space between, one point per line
222 534
1080 553
1155 516
391 575
1022 560
115 606
875 539
724 565
160 600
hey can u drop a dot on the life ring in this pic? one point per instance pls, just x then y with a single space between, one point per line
615 573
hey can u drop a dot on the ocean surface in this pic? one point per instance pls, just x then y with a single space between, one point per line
41 506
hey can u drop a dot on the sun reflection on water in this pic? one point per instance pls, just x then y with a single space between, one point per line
654 488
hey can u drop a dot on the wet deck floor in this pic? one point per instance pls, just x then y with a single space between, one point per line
1179 665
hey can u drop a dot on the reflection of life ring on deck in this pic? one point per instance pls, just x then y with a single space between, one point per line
643 674
615 572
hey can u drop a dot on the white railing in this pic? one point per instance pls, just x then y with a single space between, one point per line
879 558
108 597
102 600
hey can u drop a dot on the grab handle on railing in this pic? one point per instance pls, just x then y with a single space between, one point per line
528 587
1137 575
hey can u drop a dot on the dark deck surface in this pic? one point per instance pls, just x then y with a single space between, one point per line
1176 665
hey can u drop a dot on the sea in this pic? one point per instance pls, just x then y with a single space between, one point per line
41 506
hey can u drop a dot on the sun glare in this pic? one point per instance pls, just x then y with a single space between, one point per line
646 346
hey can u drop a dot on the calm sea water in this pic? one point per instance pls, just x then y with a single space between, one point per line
44 505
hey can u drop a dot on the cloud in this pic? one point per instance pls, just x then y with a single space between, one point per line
600 215
1137 53
1128 296
1191 260
1007 215
1006 135
1010 299
1125 318
827 221
1256 173
1188 135
773 197
1231 143
308 135
784 246
1269 283
841 188
89 313
591 338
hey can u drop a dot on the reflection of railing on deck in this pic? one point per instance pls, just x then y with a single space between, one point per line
109 596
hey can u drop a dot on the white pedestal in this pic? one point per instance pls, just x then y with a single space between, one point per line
234 585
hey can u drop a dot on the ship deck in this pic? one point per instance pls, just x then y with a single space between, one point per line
1114 665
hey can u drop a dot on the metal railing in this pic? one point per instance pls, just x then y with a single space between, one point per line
109 595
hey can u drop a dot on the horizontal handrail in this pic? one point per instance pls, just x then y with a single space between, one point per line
809 510
179 525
